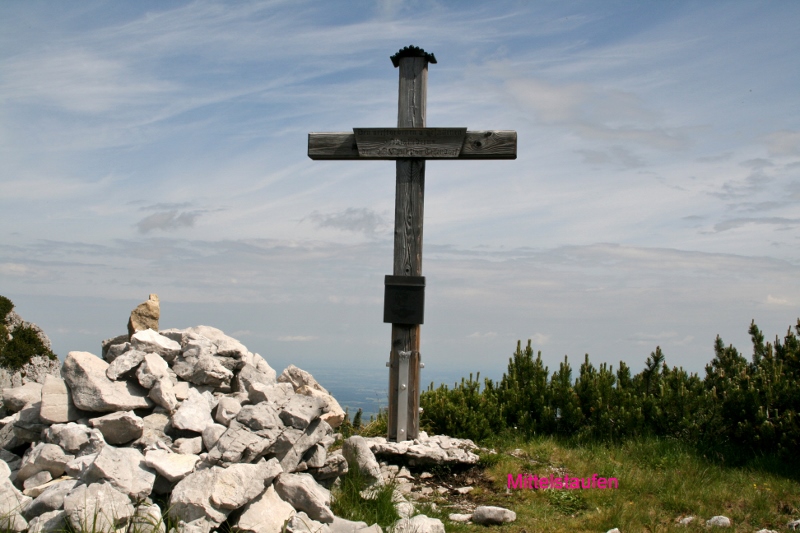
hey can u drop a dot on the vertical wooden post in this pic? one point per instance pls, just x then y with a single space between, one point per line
409 203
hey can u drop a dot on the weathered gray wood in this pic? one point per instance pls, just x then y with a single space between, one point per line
491 144
408 216
427 143
410 149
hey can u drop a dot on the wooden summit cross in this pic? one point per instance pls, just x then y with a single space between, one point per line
410 144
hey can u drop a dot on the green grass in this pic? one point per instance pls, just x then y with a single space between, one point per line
348 503
659 482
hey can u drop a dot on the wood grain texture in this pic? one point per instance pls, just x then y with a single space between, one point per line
408 215
491 144
413 93
409 209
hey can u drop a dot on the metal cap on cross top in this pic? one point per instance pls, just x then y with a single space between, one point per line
409 145
412 51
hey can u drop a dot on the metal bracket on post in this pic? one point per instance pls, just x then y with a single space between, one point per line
402 395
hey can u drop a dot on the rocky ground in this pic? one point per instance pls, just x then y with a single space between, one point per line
192 419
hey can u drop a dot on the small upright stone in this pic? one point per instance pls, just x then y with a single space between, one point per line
145 316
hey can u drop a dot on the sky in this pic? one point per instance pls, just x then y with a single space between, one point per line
160 147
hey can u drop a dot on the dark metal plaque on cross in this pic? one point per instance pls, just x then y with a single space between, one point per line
409 144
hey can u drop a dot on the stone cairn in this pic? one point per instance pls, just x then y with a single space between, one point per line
191 417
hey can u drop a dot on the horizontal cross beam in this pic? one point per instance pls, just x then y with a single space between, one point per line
497 144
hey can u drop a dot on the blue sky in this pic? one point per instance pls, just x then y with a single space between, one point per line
161 147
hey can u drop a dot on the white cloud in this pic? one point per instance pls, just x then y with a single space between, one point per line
539 339
297 338
167 221
774 300
784 143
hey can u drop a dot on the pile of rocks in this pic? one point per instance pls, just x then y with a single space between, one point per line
191 417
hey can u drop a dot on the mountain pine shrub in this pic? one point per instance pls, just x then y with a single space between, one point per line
17 348
738 410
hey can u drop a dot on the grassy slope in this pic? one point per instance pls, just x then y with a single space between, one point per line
659 481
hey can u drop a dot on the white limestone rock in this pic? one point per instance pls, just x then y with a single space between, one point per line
78 466
120 427
13 505
248 375
37 479
152 369
51 499
300 378
718 521
491 515
154 430
301 410
28 426
91 389
43 456
75 439
151 341
227 409
315 457
332 412
302 523
173 466
303 493
425 450
357 452
57 405
418 524
277 394
118 345
458 517
123 365
50 522
212 434
335 466
240 483
163 394
238 444
147 519
189 446
194 414
16 398
97 507
125 469
341 525
224 345
191 498
292 443
266 514
200 368
260 416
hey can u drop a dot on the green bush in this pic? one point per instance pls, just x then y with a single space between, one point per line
6 306
739 410
23 344
15 353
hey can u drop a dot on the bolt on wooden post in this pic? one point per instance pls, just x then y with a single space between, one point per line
410 144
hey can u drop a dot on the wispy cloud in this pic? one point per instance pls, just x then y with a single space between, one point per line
167 221
352 219
780 222
297 338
